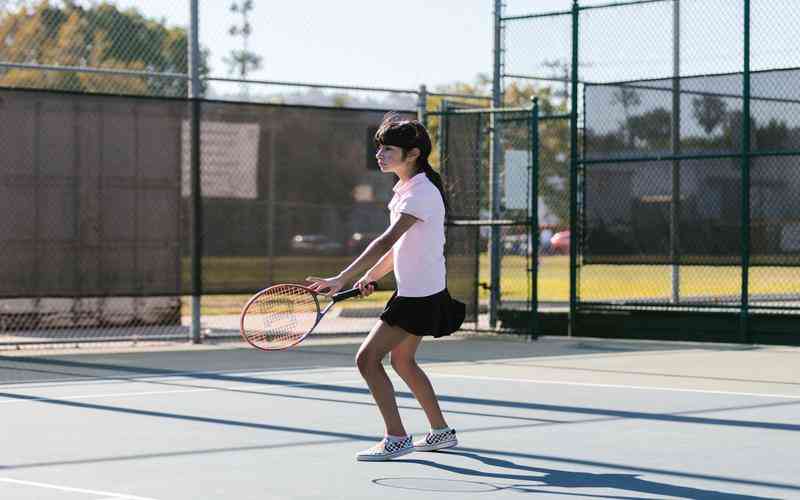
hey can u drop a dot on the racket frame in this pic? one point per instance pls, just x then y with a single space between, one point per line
337 297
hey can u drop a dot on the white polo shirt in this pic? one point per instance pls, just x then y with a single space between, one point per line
419 266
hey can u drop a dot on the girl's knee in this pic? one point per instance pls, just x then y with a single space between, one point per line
403 364
367 360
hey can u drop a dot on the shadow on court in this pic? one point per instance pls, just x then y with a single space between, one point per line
287 380
533 479
15 368
89 370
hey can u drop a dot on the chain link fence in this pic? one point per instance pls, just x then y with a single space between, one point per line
118 49
463 136
96 48
553 198
641 162
90 245
97 245
673 209
462 146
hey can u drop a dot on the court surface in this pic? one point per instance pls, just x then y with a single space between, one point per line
553 418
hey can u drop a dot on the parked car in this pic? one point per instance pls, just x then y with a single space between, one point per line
315 244
358 242
559 243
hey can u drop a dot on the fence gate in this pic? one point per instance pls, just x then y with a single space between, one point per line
491 255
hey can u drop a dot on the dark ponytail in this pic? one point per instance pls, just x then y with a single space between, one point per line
410 134
436 180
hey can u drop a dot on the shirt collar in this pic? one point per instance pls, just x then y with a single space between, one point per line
402 187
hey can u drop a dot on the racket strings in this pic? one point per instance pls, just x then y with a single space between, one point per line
281 316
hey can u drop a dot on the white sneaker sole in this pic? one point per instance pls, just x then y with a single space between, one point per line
384 457
437 446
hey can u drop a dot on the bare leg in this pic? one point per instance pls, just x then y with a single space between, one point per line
405 364
381 340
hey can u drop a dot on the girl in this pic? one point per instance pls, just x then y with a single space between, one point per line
413 247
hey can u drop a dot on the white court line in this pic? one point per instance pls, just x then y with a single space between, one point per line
167 376
98 396
613 386
433 373
153 393
107 494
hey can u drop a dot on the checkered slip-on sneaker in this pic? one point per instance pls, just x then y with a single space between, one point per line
386 450
437 441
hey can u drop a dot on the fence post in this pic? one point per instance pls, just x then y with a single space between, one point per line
194 50
444 106
197 195
422 105
675 203
573 176
533 230
495 150
744 329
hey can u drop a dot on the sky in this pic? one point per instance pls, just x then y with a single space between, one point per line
386 43
402 44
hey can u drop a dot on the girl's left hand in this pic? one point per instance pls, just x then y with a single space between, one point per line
326 286
365 284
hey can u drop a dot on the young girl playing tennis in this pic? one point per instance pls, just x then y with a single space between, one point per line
413 247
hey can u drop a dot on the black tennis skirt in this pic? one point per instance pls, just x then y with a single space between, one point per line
438 314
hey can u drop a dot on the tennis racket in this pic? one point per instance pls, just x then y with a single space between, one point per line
281 316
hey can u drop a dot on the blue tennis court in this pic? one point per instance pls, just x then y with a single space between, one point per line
560 418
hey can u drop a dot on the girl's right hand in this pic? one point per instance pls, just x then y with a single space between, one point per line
365 284
326 286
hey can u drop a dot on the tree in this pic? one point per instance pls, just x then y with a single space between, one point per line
242 60
732 129
653 128
340 100
629 99
709 111
554 143
434 103
5 5
773 136
553 137
100 36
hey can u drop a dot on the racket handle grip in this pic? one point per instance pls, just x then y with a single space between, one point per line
349 294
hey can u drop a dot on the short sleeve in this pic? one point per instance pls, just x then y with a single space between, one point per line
415 205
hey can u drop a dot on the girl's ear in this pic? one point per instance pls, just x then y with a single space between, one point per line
413 154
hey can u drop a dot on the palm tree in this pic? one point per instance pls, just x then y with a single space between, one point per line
709 111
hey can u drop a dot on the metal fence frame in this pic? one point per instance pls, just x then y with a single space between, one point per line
578 163
195 98
58 335
526 319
